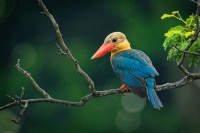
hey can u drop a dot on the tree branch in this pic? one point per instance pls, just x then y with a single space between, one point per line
187 52
19 102
28 75
60 49
83 100
66 49
88 97
184 81
20 114
194 37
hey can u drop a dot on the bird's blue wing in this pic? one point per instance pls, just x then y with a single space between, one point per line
133 67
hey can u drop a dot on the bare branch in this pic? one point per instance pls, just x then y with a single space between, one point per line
184 70
11 98
60 49
28 75
195 1
84 99
180 83
20 103
22 93
66 49
20 114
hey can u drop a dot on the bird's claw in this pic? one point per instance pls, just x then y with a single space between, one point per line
124 87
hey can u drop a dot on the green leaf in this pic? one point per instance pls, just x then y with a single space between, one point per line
174 55
178 30
166 43
164 16
175 12
172 32
189 33
194 60
183 45
190 21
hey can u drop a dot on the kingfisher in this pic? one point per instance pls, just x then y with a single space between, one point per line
132 66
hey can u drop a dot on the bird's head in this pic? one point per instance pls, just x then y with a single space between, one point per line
114 43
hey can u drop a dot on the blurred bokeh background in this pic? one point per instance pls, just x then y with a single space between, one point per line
28 35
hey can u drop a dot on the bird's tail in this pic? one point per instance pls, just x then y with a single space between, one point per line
152 96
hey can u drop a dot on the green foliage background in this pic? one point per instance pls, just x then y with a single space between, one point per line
28 35
180 36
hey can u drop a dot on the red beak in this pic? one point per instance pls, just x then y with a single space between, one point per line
105 48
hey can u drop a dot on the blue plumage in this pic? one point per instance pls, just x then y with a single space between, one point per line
135 69
152 96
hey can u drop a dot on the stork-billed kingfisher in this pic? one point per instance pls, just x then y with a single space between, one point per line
132 66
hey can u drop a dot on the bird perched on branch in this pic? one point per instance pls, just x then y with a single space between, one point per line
132 66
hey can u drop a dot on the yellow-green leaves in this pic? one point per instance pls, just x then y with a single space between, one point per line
173 14
164 16
180 37
174 31
189 33
178 30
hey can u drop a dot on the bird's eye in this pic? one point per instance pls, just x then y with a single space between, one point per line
114 40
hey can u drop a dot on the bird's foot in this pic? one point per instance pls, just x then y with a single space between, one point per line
124 87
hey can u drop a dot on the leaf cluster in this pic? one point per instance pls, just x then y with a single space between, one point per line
180 36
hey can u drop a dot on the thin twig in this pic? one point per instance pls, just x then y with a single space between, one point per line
20 103
179 50
22 94
20 114
28 75
66 49
20 98
11 98
60 49
195 2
